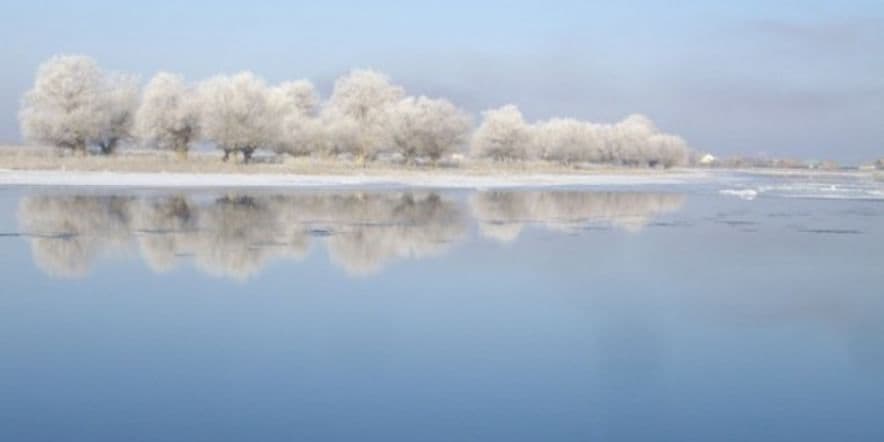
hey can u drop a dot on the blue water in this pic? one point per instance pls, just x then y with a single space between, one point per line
615 314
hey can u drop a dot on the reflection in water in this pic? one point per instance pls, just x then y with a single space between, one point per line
70 232
501 215
231 236
237 235
680 329
378 229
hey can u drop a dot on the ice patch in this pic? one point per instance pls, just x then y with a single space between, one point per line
846 191
841 187
744 194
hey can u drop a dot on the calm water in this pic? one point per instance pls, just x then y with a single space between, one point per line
669 313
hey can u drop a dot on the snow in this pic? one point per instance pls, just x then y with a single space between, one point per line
430 180
744 194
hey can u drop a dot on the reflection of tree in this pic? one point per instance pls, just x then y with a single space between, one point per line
164 228
239 235
388 226
236 236
501 215
69 232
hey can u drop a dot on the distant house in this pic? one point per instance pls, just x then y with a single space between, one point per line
707 160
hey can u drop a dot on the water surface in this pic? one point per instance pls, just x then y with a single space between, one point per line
637 313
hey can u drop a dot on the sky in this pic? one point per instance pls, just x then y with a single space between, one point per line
785 78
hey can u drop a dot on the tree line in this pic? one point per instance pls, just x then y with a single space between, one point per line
77 106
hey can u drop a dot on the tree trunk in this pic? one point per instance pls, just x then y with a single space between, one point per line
108 147
247 154
226 155
181 154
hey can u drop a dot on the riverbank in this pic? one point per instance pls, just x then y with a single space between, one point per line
150 168
449 179
143 168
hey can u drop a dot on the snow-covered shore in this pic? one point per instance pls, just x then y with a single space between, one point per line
275 180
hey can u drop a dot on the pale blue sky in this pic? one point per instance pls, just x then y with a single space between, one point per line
801 78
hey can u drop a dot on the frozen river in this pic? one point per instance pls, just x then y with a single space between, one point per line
739 308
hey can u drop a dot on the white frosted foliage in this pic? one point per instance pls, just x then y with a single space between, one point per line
168 117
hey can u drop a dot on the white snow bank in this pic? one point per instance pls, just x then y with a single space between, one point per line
433 180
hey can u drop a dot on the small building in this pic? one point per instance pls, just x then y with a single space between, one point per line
707 160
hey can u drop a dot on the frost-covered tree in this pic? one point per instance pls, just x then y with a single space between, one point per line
236 113
635 141
297 128
629 140
116 111
297 96
358 112
168 117
74 103
424 127
668 150
566 141
300 135
337 135
504 135
61 108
